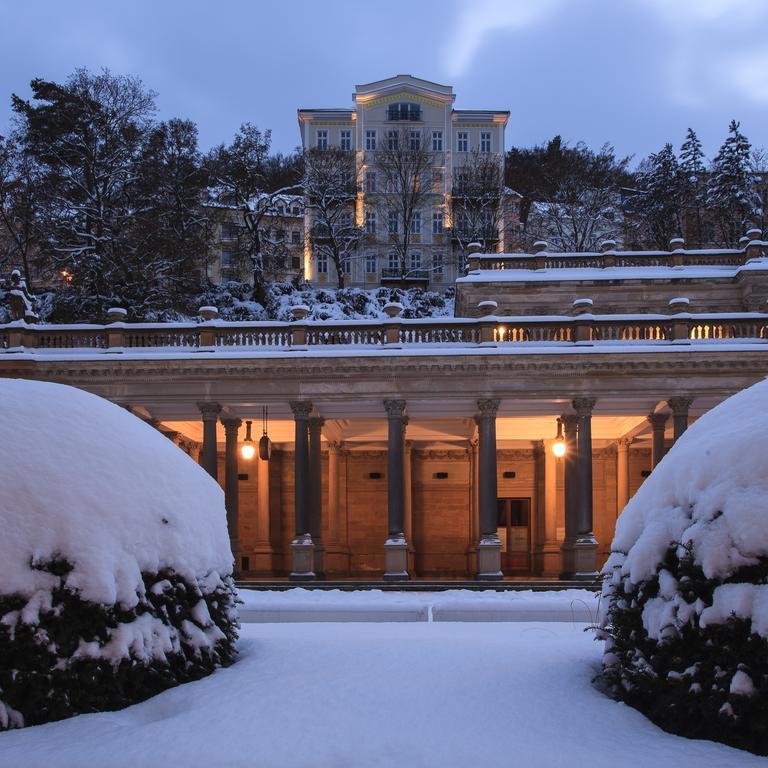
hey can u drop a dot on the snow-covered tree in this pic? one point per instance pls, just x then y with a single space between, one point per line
330 189
730 192
694 186
661 202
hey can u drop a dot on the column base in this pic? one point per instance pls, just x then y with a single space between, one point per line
489 559
580 559
319 559
396 559
303 556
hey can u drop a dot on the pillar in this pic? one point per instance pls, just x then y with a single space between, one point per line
489 546
210 413
679 407
262 556
333 492
571 482
408 481
658 422
302 548
231 493
550 550
316 493
622 473
396 546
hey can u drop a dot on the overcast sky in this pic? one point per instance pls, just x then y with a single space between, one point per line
636 73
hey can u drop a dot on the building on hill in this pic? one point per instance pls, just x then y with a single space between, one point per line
502 442
406 139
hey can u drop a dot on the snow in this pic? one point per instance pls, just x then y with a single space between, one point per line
708 494
85 480
420 694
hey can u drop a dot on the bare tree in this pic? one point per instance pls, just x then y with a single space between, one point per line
330 189
403 167
478 194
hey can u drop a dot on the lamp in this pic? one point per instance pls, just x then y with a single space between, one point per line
558 447
265 444
247 451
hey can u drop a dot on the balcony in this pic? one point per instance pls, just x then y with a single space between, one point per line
415 278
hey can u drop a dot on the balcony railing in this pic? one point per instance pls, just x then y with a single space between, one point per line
610 332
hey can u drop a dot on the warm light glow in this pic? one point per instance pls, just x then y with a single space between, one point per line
66 275
558 448
247 451
501 332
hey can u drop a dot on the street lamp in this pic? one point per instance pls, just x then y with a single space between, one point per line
248 450
558 447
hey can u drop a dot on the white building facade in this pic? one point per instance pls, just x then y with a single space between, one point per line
422 111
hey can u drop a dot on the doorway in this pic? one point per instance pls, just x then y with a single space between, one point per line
514 529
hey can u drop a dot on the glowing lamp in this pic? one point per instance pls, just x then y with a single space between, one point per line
248 450
558 447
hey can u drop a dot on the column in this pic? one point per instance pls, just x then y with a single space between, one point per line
550 550
658 422
316 492
210 413
231 494
622 473
474 505
571 483
396 546
302 548
333 492
262 557
679 407
408 481
489 547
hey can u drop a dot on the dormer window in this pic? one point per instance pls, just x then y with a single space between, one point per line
404 111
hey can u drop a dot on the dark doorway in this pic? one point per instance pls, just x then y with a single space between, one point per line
514 529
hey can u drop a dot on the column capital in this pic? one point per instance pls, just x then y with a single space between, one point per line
394 408
624 442
334 446
209 410
231 425
488 407
680 405
570 420
316 422
583 405
658 419
301 408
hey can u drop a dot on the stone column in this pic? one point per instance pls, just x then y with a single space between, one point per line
571 483
396 546
333 492
679 407
210 413
408 481
263 550
231 491
302 548
316 493
489 546
658 422
622 473
550 550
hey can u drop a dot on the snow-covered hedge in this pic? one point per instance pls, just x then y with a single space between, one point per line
115 565
685 601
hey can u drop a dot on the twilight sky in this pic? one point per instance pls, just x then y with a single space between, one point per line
633 72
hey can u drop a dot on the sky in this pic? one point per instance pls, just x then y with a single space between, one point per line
636 73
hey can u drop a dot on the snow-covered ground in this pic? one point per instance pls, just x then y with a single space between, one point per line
387 694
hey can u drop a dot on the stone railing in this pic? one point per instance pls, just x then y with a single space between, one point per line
390 333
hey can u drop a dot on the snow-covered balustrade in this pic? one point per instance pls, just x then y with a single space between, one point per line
390 333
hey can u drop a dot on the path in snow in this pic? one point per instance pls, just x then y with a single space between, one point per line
359 695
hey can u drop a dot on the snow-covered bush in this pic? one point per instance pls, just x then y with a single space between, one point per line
685 600
115 566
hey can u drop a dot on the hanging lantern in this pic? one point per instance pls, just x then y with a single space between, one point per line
248 449
558 447
265 444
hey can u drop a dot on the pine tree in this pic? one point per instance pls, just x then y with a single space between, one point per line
694 187
731 193
661 204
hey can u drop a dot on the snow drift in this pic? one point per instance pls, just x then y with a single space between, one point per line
685 601
115 566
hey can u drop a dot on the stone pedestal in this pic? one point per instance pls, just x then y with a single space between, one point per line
303 555
579 559
396 559
489 559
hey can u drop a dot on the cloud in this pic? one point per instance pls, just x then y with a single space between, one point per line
479 17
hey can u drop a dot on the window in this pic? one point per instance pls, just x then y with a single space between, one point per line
370 222
228 231
393 222
416 223
322 139
370 181
485 142
280 235
393 264
414 262
437 141
295 210
462 141
461 181
370 262
437 222
437 263
227 260
404 111
295 237
437 181
345 139
393 140
322 263
370 140
346 266
415 141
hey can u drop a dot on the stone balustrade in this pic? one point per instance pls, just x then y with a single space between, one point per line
390 333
